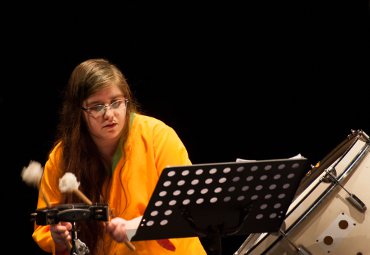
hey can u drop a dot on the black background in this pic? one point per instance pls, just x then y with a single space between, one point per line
252 80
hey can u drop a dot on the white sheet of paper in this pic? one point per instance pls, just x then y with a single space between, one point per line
298 156
132 226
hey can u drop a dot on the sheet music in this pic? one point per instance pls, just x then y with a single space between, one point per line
132 226
298 156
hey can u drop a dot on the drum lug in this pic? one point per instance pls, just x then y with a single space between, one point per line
353 199
303 251
300 249
328 178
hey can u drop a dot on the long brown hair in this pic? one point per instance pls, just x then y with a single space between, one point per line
80 154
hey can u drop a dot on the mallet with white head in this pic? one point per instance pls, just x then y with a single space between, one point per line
32 176
69 184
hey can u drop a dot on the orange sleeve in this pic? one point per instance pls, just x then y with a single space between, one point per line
49 190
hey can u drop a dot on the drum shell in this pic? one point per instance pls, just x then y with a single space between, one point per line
321 220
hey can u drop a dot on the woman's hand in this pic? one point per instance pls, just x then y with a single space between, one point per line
61 234
116 227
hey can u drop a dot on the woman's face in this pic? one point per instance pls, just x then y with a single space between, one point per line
105 114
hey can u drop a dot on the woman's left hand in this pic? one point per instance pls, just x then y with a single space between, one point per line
116 227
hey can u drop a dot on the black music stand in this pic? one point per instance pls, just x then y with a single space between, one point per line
222 199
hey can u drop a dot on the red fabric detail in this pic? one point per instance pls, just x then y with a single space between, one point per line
167 244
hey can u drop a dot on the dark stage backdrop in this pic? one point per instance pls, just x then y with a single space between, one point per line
249 80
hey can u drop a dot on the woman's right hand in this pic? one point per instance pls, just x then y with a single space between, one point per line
61 234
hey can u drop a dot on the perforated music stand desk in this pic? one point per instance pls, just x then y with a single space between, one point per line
221 199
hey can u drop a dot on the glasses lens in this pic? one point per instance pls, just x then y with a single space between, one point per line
116 104
98 110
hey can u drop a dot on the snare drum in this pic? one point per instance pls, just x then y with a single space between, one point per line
329 216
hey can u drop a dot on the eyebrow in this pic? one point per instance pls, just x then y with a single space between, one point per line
98 102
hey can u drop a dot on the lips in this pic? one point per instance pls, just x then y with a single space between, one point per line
110 125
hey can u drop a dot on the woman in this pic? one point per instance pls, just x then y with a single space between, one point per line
117 156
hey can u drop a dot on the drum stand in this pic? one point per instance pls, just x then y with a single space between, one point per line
78 247
73 215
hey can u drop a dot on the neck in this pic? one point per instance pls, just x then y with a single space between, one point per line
107 150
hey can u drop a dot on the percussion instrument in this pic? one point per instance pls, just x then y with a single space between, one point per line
329 212
70 213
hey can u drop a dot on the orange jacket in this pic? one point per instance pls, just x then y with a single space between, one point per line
151 146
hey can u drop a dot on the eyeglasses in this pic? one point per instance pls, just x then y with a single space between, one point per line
98 110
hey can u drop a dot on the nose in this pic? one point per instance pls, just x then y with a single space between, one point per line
107 111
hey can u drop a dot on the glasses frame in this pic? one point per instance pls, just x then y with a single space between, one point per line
104 108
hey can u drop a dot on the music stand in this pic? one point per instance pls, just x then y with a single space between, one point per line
221 199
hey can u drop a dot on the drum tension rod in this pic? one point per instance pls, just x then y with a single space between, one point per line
300 249
353 199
